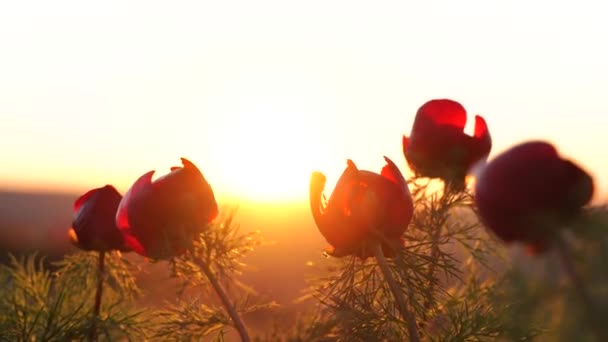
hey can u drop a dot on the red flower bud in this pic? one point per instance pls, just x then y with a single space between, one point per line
162 219
94 227
528 192
363 204
439 148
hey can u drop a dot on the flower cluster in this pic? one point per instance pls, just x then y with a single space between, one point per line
157 219
526 194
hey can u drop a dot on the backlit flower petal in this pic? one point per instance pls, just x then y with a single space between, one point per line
162 219
317 205
83 199
365 208
139 188
444 112
437 146
481 127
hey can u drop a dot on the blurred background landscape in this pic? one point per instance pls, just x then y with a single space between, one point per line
38 222
277 270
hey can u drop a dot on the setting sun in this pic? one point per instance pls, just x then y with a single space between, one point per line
268 162
260 98
265 158
266 142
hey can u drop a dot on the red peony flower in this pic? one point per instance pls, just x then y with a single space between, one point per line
162 219
439 148
362 204
94 225
528 192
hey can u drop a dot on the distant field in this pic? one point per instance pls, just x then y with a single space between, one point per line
39 222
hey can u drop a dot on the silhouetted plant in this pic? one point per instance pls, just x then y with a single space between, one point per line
213 264
94 229
445 259
530 194
164 219
37 304
538 289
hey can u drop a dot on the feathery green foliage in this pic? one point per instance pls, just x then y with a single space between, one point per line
446 258
217 254
39 304
460 283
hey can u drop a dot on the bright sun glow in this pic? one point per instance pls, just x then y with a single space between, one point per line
265 144
260 94
265 163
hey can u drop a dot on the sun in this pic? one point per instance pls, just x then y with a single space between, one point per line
265 145
266 166
268 157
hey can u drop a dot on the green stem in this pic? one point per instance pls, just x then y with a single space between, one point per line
238 322
397 294
582 292
98 293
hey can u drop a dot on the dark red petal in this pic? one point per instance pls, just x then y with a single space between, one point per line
366 200
339 199
190 167
361 202
133 243
339 223
93 224
165 216
400 206
185 195
579 184
188 164
391 172
533 150
82 199
444 112
142 184
383 205
481 127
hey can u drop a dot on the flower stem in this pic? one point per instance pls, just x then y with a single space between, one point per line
238 322
440 217
397 294
97 306
566 256
435 252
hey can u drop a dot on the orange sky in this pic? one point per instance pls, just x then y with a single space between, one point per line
259 94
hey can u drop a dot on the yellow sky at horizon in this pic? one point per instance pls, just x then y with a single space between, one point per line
260 94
